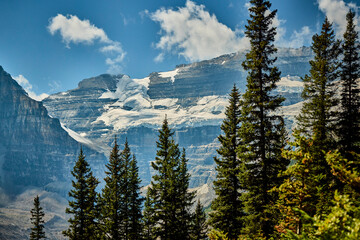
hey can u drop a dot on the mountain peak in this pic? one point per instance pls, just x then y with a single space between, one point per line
103 81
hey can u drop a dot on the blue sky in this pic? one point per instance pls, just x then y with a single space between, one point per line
49 46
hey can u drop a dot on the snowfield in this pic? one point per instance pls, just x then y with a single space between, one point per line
135 108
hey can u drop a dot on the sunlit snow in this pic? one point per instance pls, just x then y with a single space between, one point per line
170 74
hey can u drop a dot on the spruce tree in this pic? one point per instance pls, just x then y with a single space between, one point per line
125 158
82 203
317 117
111 197
199 225
166 200
262 130
184 199
228 210
37 220
135 201
298 188
349 122
149 219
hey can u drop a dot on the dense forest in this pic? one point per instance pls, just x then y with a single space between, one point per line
268 185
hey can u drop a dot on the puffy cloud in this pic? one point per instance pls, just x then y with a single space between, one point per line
297 38
74 30
336 11
301 38
28 88
194 33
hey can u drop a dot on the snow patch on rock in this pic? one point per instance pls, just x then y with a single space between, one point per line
170 74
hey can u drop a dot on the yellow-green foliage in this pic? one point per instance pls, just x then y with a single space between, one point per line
217 235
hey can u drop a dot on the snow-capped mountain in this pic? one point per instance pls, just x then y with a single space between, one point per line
193 97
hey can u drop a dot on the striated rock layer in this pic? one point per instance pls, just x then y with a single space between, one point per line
193 97
34 149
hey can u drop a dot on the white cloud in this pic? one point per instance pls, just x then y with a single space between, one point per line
301 38
194 33
74 30
297 38
336 11
159 58
28 88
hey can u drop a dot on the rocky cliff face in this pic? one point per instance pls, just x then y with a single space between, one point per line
218 75
34 149
193 97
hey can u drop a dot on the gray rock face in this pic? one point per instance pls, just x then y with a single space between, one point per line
218 75
34 149
192 96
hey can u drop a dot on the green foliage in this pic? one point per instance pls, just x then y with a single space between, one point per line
185 198
349 120
228 208
82 205
135 201
37 220
340 223
168 202
199 225
343 218
217 235
343 169
149 220
317 116
262 130
112 196
299 186
121 200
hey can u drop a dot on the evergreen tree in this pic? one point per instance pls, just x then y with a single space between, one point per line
149 216
227 207
185 198
125 158
317 116
199 225
82 205
111 198
349 124
135 201
296 192
37 219
166 201
262 130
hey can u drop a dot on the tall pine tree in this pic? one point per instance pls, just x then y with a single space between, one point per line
298 188
82 205
349 124
149 219
134 199
228 210
125 158
185 198
37 220
166 203
121 200
199 225
318 117
262 130
111 198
